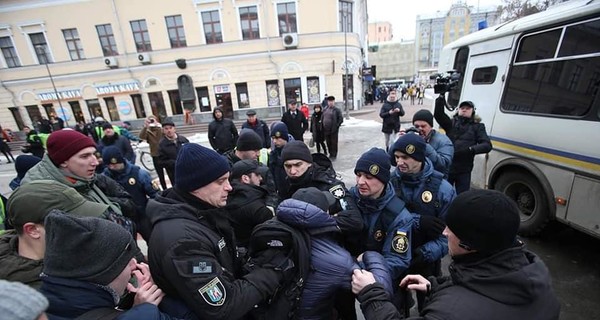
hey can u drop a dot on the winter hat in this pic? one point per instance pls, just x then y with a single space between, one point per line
87 249
64 144
168 122
322 199
423 115
280 130
296 150
484 220
375 162
25 162
248 140
197 166
31 202
112 154
107 126
250 113
20 302
412 145
244 167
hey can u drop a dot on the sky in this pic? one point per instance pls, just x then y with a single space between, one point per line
403 13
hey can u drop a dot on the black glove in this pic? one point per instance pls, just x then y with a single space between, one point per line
417 258
431 226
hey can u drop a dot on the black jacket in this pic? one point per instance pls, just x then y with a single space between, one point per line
296 125
246 208
167 150
316 126
468 136
512 284
121 143
222 134
391 122
262 129
192 256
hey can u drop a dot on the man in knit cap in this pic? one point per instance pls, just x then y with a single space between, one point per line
23 163
22 250
492 275
427 194
169 146
440 149
387 223
192 249
70 160
279 137
112 138
20 302
87 268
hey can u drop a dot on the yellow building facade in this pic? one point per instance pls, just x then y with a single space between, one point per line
128 59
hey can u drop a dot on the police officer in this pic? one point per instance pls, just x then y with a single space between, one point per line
137 182
427 194
192 251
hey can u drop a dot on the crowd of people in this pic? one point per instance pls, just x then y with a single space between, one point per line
258 226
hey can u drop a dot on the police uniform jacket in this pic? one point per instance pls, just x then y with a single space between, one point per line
192 256
387 229
423 196
322 176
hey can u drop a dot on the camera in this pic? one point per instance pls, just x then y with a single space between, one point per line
151 120
445 82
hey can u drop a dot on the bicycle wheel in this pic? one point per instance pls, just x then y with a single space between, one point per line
146 160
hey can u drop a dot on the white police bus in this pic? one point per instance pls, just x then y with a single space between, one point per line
534 81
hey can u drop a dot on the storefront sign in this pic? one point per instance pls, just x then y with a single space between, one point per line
117 88
63 95
222 89
124 107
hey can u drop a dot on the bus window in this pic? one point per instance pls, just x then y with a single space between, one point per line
485 75
576 40
538 46
460 65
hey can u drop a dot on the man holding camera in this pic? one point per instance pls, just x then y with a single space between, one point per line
152 132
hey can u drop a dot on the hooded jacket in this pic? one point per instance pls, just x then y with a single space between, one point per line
192 256
512 284
331 264
15 267
222 133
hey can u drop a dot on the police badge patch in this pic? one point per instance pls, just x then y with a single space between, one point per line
400 242
213 293
337 191
426 196
374 169
410 149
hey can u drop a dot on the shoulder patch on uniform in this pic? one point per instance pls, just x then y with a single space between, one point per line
214 292
338 191
200 267
400 242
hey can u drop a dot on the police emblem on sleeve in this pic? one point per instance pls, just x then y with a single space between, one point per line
213 292
400 242
410 149
131 181
374 169
337 191
426 196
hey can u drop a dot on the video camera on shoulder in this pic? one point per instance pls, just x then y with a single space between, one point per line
445 82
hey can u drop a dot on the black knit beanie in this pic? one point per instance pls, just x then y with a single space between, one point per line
375 162
423 115
86 248
410 144
296 150
484 220
248 140
197 166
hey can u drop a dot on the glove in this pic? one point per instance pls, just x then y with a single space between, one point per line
431 226
417 258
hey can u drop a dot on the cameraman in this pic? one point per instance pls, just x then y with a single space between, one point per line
469 137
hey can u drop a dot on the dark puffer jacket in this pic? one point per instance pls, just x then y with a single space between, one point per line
391 122
331 264
222 134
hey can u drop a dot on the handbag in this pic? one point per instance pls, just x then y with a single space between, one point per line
311 142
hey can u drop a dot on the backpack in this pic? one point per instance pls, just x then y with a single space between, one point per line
286 299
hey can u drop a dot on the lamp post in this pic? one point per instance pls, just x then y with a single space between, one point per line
345 25
62 110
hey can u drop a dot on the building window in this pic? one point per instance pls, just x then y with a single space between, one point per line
157 105
176 32
38 41
314 95
212 27
73 44
293 90
113 112
175 101
77 113
9 52
34 115
138 105
17 116
273 93
107 40
286 17
203 99
345 16
249 22
141 35
242 95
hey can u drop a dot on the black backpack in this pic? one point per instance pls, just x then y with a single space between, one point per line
286 299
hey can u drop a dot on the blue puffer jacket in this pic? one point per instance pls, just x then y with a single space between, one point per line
410 188
70 299
440 151
331 264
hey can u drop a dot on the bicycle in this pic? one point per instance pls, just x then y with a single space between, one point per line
144 157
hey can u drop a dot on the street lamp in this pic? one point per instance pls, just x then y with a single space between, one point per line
345 26
42 51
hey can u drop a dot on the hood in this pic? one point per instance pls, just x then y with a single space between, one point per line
513 276
302 215
46 170
243 194
168 205
222 114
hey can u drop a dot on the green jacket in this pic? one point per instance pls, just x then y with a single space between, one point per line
15 267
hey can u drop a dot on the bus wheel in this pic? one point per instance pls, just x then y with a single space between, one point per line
527 192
